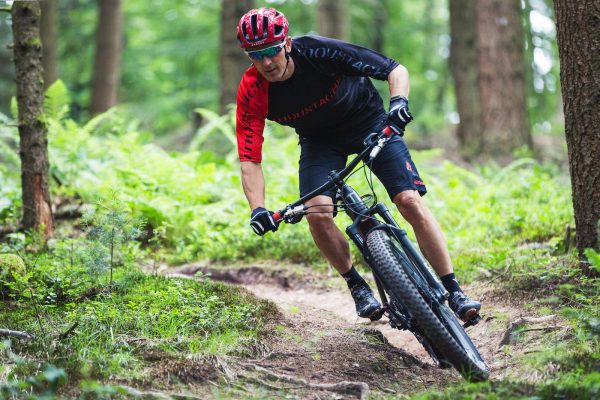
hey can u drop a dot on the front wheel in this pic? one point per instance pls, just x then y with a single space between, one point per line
387 265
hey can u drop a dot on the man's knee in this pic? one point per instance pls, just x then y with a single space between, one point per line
320 218
410 204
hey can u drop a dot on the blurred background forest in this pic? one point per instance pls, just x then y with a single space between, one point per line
172 55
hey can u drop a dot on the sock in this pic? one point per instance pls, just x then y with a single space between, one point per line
353 278
450 283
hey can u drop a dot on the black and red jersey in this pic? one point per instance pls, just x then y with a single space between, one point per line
329 93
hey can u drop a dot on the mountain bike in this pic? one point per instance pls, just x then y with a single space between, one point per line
411 294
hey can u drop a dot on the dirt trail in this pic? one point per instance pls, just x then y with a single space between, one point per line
340 304
322 341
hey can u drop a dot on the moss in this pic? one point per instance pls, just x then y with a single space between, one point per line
11 264
11 267
35 42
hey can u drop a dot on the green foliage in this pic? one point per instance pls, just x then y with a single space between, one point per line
56 103
109 227
172 315
35 386
223 125
568 386
594 259
10 165
493 216
12 273
94 331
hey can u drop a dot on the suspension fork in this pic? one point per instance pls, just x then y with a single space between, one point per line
355 233
360 213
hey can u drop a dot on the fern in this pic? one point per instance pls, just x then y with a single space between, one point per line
594 258
216 124
8 143
56 104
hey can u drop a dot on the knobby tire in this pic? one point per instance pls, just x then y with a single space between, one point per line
387 267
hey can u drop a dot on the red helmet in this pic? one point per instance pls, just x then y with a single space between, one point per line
260 26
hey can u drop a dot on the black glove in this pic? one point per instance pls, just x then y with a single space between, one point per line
399 115
261 221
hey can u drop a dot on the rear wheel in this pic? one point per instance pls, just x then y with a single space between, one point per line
440 331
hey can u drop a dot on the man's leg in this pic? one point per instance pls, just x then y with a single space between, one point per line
433 246
327 236
333 245
427 230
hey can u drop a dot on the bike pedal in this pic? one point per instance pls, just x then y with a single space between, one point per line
376 315
473 321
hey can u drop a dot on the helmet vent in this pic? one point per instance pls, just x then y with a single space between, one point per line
253 25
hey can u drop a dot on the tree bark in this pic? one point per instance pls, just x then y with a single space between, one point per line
106 73
500 40
463 64
48 28
7 67
32 131
578 35
380 24
332 19
489 72
233 61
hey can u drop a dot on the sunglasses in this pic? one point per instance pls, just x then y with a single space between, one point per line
268 52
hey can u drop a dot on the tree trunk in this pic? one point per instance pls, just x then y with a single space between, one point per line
332 19
48 28
106 73
489 71
463 64
7 67
578 35
502 76
380 24
32 131
233 61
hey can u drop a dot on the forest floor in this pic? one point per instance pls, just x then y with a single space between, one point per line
317 348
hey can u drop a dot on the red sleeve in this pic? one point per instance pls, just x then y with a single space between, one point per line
252 109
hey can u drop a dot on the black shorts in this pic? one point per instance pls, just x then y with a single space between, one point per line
393 165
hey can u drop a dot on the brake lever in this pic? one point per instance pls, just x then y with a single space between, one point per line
288 212
371 139
377 140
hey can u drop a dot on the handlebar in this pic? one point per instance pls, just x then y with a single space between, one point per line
374 143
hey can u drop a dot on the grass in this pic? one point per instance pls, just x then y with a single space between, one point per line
139 315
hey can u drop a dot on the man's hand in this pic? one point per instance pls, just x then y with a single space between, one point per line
261 221
399 115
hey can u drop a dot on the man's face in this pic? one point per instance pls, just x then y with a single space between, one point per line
273 67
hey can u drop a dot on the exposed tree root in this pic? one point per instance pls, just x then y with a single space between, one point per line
520 322
358 389
157 395
19 334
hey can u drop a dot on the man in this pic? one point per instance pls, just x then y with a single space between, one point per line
321 87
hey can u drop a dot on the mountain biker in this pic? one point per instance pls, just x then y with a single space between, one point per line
320 86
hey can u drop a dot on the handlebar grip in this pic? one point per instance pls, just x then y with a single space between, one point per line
277 216
388 131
